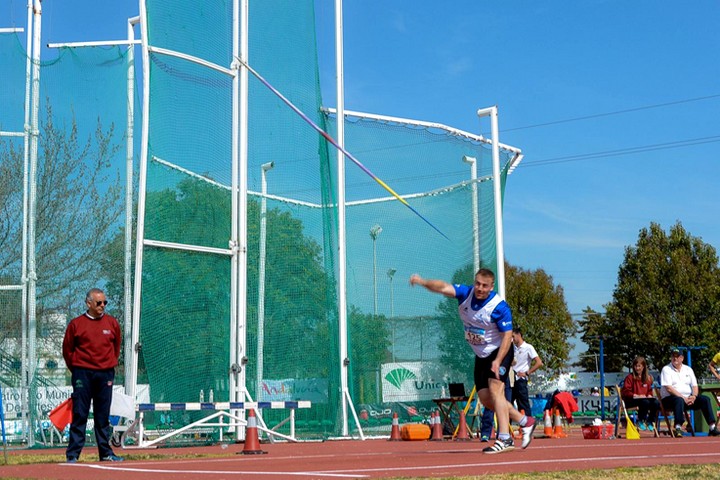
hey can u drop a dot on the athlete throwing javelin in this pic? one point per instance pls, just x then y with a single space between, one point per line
487 321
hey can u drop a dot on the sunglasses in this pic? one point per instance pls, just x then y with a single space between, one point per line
101 302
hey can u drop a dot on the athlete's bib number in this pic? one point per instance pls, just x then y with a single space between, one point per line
475 336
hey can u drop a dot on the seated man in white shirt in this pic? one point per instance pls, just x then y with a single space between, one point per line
679 393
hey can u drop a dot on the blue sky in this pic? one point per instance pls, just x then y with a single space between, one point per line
615 105
549 61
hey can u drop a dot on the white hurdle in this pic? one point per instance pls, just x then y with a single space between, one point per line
136 430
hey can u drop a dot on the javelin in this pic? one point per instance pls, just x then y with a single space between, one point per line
337 145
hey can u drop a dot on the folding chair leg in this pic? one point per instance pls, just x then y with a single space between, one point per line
690 427
671 428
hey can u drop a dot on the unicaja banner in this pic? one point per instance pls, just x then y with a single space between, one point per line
413 381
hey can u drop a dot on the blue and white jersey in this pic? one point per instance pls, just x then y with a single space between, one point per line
484 321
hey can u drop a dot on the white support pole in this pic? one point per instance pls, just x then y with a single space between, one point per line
235 364
344 359
129 161
344 356
32 204
475 220
142 186
240 169
26 201
492 112
266 167
100 43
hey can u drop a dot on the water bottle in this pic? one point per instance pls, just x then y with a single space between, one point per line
211 397
202 395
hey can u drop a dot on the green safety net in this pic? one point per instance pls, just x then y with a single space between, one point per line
291 335
12 97
79 217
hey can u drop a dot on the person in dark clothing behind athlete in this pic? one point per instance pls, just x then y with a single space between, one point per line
91 349
487 321
527 361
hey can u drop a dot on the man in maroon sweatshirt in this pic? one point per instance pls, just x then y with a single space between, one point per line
91 349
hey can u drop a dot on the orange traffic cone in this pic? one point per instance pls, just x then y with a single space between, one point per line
395 432
462 433
437 434
548 424
252 443
557 427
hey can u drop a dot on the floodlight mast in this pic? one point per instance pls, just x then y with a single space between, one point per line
492 112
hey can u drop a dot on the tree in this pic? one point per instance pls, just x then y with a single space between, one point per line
593 326
538 308
668 294
77 201
78 197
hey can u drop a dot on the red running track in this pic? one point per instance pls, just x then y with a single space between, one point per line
382 459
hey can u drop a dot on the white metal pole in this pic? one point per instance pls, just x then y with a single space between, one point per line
240 146
142 186
26 200
129 160
32 272
342 248
266 167
492 112
475 220
234 245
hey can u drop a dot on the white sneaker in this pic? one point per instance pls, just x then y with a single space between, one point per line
500 446
527 431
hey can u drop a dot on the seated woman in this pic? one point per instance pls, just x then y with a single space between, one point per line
637 391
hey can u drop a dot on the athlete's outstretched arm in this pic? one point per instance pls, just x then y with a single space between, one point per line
437 286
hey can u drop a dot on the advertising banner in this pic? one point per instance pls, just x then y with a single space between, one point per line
289 389
413 381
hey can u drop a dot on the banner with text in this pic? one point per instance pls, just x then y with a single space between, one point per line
413 381
289 389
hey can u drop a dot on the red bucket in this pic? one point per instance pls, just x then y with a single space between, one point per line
597 432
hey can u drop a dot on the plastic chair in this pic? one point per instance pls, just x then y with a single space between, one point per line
623 410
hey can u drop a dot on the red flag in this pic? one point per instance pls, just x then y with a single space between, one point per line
61 415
